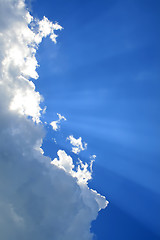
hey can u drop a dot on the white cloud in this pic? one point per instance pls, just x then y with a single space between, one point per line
47 28
83 174
93 156
38 200
55 124
19 44
77 143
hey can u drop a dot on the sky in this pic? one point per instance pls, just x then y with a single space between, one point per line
98 87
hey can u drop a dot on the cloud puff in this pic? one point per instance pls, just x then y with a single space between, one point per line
18 44
55 124
82 173
38 200
77 143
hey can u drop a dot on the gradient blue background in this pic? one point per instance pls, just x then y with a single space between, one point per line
103 75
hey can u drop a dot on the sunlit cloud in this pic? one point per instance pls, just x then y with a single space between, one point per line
56 124
41 198
77 144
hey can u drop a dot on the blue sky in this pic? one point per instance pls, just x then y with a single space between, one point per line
103 76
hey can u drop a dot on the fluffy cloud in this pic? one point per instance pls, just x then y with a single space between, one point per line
38 200
82 173
78 146
55 124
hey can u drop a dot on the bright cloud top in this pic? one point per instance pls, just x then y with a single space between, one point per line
78 146
56 124
40 198
20 43
82 173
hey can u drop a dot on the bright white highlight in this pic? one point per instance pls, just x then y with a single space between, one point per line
78 146
83 174
19 63
55 124
47 28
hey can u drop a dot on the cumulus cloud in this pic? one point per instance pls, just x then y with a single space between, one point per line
39 198
82 173
19 43
78 146
56 124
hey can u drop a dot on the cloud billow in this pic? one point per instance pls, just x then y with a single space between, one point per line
38 200
77 144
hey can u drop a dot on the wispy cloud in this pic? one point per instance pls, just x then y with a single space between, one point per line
56 124
77 144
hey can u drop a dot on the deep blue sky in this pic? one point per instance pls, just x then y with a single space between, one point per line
103 75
